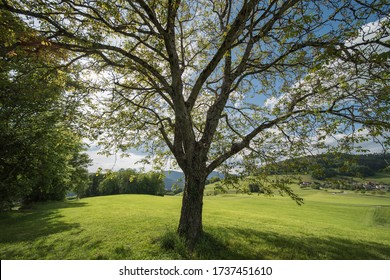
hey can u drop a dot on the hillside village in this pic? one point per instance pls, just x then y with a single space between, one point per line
346 184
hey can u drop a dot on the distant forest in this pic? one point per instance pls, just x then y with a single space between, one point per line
320 167
325 166
124 181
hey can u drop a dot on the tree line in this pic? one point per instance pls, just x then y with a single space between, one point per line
325 166
124 181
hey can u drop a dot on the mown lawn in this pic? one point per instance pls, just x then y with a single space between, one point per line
327 226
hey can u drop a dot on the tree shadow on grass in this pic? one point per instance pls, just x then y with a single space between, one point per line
31 227
248 244
254 244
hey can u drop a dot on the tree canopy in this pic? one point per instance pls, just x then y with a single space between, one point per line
40 154
225 82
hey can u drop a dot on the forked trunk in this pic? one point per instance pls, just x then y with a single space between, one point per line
190 225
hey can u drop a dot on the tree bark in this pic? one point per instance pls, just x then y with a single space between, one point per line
190 224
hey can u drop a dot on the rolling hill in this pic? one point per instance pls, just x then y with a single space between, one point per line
176 177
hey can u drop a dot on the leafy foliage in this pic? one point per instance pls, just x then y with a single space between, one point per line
226 84
126 181
39 153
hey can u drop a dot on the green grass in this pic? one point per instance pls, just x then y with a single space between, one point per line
327 226
381 177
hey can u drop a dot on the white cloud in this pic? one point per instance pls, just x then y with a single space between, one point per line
372 145
115 162
134 159
369 32
271 102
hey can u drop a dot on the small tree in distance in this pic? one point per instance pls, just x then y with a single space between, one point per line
221 83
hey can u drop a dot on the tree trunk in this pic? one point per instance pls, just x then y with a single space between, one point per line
190 225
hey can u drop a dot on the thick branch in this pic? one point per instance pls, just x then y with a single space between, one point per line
237 147
231 36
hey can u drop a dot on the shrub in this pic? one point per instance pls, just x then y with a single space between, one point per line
254 187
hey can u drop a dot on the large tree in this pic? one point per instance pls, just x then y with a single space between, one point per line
40 151
225 82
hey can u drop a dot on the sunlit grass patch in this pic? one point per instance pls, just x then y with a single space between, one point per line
327 226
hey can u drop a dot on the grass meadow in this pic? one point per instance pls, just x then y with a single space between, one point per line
329 225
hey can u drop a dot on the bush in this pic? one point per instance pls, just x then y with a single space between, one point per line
315 185
213 180
254 187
